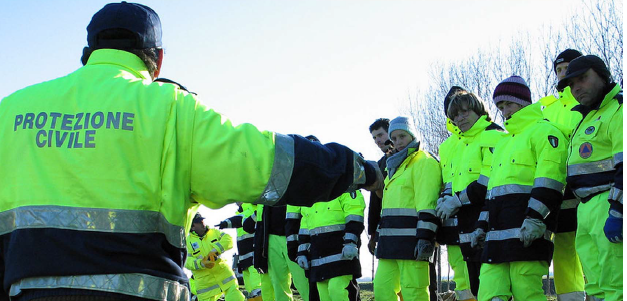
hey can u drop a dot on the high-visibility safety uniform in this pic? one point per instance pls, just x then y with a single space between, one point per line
595 173
212 282
293 218
104 169
325 229
271 254
465 158
567 271
245 240
407 215
527 179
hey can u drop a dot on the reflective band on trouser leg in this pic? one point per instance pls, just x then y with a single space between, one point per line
334 289
602 260
567 268
387 280
526 279
277 268
462 283
139 285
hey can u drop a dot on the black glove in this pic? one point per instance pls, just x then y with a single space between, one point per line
222 225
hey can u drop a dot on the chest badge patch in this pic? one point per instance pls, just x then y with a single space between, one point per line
590 130
585 150
195 246
554 141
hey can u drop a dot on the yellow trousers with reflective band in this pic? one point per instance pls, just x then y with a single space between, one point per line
231 293
519 279
252 280
567 271
267 290
602 260
282 271
334 289
457 263
410 276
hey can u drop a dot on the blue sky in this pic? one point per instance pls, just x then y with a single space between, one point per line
324 67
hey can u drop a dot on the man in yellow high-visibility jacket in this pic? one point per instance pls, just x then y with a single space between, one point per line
212 275
105 169
595 173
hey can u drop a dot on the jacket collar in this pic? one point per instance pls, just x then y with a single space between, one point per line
124 59
523 118
477 128
609 97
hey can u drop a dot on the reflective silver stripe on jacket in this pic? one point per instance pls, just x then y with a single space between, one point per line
293 215
246 256
450 222
463 198
618 158
548 183
327 259
591 167
496 235
220 247
508 189
91 219
293 237
229 224
484 216
399 212
616 194
427 226
569 204
245 236
225 281
539 207
448 188
483 180
465 238
254 217
359 172
327 229
354 218
351 236
588 191
138 285
397 232
303 247
303 231
282 169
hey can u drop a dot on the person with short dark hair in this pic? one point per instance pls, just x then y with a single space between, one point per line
595 174
567 271
524 193
379 131
103 170
465 159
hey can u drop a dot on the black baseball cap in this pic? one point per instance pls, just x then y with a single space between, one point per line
565 57
138 19
449 96
198 218
580 65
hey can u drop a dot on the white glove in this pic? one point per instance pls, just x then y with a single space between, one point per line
531 229
440 200
424 250
477 238
302 262
448 207
350 251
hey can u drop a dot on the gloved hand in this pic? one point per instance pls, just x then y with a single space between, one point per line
302 262
448 207
477 238
531 229
614 226
222 225
372 244
209 261
350 251
424 250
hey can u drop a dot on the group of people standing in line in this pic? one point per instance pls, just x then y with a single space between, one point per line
505 202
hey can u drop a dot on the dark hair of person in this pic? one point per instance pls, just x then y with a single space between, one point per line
470 100
150 56
380 123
